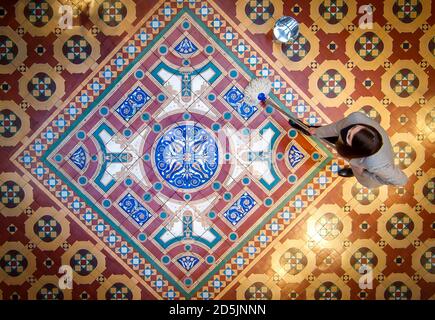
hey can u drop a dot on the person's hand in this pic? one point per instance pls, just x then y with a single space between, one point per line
265 103
312 131
358 170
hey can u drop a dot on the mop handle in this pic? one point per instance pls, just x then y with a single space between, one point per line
287 114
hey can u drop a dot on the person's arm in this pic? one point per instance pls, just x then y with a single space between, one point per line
389 175
333 129
330 130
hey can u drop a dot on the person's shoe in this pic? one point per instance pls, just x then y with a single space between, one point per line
298 127
345 172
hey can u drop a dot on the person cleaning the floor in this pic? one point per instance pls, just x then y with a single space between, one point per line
367 147
357 138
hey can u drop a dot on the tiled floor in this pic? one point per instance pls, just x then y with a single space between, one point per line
132 157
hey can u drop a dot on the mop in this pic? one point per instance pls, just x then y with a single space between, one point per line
258 91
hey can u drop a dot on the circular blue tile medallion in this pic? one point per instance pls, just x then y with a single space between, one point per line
186 156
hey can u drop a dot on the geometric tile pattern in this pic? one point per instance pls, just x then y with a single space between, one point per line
110 131
132 105
240 208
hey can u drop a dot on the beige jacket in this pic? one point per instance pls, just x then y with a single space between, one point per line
379 168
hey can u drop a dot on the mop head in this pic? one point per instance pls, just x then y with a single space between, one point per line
257 91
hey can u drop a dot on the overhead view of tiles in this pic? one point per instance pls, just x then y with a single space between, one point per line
135 164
